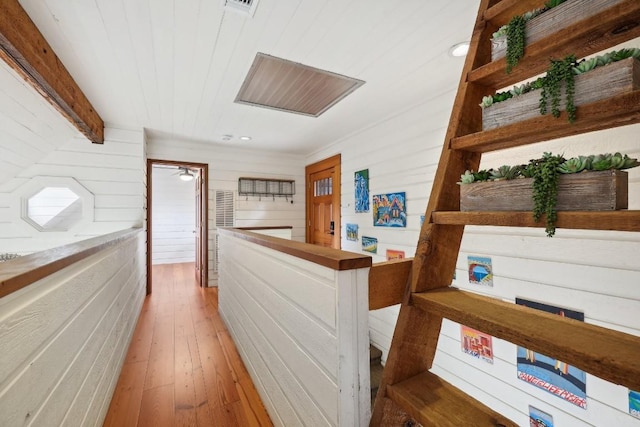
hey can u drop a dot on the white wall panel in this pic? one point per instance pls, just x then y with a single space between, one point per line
62 335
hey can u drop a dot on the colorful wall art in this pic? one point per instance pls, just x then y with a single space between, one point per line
480 270
389 210
393 254
538 418
362 190
552 375
476 343
370 244
634 403
352 232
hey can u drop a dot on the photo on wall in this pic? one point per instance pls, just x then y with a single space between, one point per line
370 244
362 190
480 270
352 232
394 254
538 418
557 377
389 210
476 343
634 403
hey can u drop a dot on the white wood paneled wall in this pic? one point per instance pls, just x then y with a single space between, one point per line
173 217
226 165
590 271
114 172
302 332
64 338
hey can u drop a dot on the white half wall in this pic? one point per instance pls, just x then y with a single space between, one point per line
64 338
174 212
301 329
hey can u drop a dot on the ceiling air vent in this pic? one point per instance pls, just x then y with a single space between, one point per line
296 88
247 7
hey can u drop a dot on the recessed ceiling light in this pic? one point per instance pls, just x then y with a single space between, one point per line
459 49
245 138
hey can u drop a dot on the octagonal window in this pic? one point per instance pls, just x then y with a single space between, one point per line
54 209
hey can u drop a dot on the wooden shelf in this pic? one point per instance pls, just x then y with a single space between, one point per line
605 353
617 111
434 402
613 26
623 220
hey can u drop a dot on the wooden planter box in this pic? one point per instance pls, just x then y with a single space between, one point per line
568 13
598 84
586 191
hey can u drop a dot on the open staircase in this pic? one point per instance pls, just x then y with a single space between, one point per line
409 393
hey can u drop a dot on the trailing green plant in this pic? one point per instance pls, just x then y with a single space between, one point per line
560 74
545 173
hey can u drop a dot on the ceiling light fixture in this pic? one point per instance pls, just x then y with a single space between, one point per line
245 138
459 49
186 175
227 137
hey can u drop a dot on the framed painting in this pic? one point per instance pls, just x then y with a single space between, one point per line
352 232
394 254
370 244
361 188
390 210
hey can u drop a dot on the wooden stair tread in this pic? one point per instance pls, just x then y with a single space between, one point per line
584 38
612 112
434 402
605 353
622 220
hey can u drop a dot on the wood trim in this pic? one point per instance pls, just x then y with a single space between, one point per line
332 258
603 352
205 173
20 272
26 51
387 282
280 227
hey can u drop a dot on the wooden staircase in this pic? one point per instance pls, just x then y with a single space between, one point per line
409 393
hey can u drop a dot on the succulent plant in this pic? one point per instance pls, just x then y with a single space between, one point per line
585 65
629 162
482 175
505 172
574 165
466 178
601 162
487 101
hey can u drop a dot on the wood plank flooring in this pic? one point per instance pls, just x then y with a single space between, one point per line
182 367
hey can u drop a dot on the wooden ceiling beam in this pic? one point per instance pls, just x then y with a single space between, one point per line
25 49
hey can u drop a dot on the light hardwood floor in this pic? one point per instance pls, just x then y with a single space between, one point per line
182 367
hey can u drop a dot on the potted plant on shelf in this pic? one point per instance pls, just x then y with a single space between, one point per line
581 82
549 184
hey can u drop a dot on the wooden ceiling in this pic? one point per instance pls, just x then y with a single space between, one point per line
175 67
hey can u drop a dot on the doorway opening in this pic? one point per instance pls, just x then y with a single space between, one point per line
323 202
189 226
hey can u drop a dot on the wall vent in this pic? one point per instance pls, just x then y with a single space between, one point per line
247 7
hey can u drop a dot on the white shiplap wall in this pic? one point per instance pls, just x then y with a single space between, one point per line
301 329
64 338
594 272
226 165
173 213
113 172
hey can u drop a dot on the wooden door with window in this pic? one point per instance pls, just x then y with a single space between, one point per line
323 202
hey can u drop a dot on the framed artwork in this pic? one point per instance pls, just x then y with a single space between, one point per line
389 210
362 190
421 220
370 244
538 418
480 270
557 377
476 343
352 232
394 254
634 403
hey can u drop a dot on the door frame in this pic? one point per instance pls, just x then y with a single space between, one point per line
335 163
204 168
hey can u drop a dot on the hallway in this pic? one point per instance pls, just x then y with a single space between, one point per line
182 367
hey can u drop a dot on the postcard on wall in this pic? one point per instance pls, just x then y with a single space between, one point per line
370 244
556 377
421 220
476 343
634 403
352 232
362 190
480 270
389 210
538 418
394 254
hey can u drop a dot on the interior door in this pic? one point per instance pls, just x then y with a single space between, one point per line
323 203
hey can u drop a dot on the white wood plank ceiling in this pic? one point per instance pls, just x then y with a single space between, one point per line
175 67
